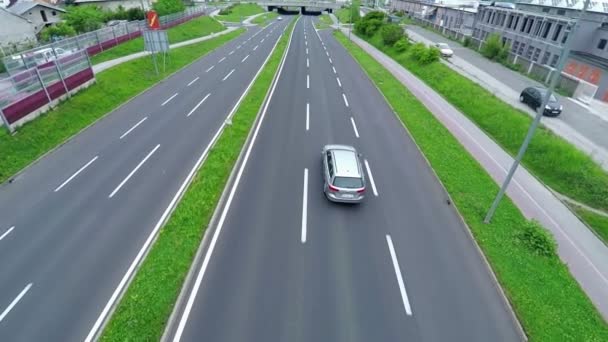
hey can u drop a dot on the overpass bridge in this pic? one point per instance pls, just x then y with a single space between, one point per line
304 5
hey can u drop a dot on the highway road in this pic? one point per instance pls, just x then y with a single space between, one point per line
284 264
74 224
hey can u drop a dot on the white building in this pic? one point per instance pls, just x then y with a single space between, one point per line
4 3
15 30
41 14
114 4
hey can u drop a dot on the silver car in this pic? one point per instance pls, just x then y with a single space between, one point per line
342 174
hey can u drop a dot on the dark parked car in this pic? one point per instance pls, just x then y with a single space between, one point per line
533 97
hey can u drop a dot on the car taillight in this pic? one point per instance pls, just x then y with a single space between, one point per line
333 188
360 191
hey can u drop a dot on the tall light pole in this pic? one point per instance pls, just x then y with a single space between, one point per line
560 66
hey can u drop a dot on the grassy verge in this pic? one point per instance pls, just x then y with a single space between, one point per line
195 28
323 22
238 12
265 18
597 222
548 301
556 162
145 308
50 130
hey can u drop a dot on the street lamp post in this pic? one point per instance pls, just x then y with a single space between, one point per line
522 150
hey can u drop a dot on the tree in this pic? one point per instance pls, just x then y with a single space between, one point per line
59 30
402 44
354 11
84 18
135 13
164 7
391 33
492 46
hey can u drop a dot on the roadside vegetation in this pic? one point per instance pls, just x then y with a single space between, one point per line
237 12
195 28
146 306
323 22
349 14
599 223
57 126
265 18
547 300
553 160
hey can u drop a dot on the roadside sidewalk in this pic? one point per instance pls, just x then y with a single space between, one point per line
114 62
511 96
584 254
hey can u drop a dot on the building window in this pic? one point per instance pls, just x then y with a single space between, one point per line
523 26
558 30
530 23
546 9
554 61
510 21
54 13
536 55
521 49
561 12
43 15
564 38
529 52
516 22
602 44
546 56
546 30
514 47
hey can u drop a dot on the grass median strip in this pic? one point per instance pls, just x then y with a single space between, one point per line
195 28
323 22
265 18
52 129
548 301
147 304
598 222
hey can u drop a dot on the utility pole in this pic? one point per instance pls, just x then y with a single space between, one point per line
522 150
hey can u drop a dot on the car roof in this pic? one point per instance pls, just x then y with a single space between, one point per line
345 163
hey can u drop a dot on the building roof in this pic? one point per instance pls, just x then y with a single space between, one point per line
21 7
594 5
13 14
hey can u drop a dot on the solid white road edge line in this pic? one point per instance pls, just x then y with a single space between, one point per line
74 175
339 83
192 82
226 77
169 99
201 273
354 126
7 232
307 115
371 178
133 172
307 81
210 68
406 302
345 100
304 206
132 128
15 301
198 105
244 59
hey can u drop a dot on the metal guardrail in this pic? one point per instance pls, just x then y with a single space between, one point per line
94 42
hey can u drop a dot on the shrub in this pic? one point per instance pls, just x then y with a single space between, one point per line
537 239
430 55
492 46
402 44
57 31
418 50
164 7
374 15
391 33
368 27
84 18
135 13
467 42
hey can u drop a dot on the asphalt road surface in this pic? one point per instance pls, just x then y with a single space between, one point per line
285 264
72 224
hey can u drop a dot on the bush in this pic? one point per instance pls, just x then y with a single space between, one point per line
418 50
84 18
430 55
368 27
467 42
537 239
402 44
391 33
492 47
119 14
58 31
374 15
164 7
135 13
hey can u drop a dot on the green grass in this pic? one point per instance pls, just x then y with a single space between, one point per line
147 304
552 159
323 22
50 130
546 298
195 28
597 222
265 18
240 12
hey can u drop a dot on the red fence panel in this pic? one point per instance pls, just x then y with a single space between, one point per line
79 78
55 90
21 108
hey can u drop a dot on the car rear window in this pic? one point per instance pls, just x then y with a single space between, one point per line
348 182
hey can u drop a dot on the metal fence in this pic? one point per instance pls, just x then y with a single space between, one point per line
34 88
94 42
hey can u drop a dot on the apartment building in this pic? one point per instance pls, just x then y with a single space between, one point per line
456 15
